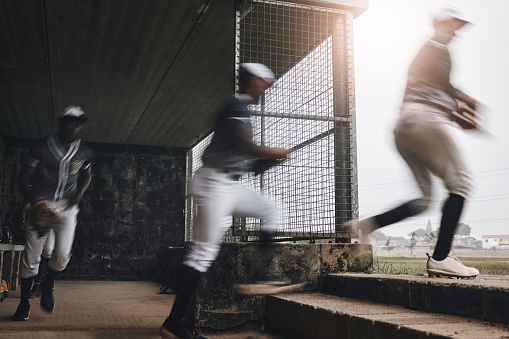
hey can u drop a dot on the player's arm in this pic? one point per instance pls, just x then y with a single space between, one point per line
24 208
25 175
243 140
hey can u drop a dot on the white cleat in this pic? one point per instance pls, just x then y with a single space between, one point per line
450 267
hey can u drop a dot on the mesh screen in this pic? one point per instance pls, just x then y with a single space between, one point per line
310 108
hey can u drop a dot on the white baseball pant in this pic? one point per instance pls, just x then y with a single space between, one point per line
424 143
216 195
63 233
49 245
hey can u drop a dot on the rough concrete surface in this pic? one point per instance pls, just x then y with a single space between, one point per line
316 315
484 298
104 309
240 263
487 281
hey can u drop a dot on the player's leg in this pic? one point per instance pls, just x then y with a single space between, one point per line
449 166
64 229
35 292
442 157
403 211
212 198
252 204
446 162
408 138
48 247
30 260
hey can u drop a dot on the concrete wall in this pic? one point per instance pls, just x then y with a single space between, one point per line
2 152
219 306
11 197
131 213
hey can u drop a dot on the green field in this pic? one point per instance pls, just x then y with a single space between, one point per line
417 266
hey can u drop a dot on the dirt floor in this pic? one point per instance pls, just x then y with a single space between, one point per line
104 309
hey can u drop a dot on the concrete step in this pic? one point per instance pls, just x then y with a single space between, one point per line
485 298
323 316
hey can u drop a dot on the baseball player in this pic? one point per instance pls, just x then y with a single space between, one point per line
423 140
217 193
56 173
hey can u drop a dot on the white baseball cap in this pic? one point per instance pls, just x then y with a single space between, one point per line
73 112
448 13
260 71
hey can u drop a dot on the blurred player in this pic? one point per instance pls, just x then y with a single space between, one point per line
56 172
217 193
423 140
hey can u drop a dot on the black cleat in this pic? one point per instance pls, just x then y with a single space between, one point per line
22 313
179 330
47 300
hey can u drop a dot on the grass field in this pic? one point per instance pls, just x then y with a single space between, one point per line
417 266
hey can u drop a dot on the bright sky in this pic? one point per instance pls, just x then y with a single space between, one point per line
387 37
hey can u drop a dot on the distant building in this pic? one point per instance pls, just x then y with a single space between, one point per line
465 240
477 243
495 241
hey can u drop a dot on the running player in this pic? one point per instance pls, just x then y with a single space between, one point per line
57 172
423 140
217 192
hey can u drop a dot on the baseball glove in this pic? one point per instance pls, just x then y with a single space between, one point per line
466 118
42 217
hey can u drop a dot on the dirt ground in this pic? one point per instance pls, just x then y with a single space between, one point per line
104 309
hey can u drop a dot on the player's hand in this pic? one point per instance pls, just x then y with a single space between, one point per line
43 216
281 153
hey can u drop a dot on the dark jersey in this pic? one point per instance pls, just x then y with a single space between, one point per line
232 149
56 171
429 77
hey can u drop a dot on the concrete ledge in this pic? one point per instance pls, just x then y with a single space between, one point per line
316 315
219 307
485 298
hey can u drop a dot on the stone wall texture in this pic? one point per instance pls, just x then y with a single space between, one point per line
2 155
130 215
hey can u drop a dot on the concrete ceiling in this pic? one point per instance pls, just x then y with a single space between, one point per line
146 72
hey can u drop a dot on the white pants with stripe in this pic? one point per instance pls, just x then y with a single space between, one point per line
216 195
58 254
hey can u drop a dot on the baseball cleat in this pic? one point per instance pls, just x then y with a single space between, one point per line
22 313
47 299
267 288
361 228
179 330
450 267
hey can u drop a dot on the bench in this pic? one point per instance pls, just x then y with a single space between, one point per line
10 257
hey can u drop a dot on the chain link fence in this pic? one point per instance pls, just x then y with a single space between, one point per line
310 108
